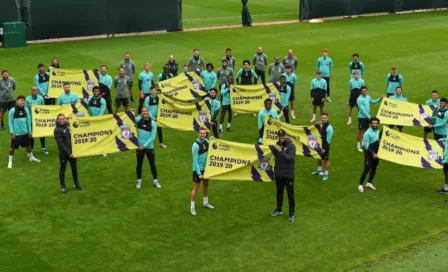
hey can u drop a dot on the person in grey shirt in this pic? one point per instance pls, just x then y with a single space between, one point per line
122 83
129 68
224 73
260 60
275 70
196 62
291 60
7 102
230 59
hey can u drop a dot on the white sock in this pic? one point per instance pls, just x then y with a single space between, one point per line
139 180
220 126
326 172
292 112
349 119
359 144
10 158
192 203
31 155
314 116
446 187
205 200
319 168
156 180
228 125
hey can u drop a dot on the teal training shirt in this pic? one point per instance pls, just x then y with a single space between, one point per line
370 136
319 83
291 78
392 82
445 151
67 99
209 79
41 82
33 100
356 83
146 79
152 104
324 65
440 127
199 152
399 98
97 105
216 105
436 104
364 102
284 95
330 133
262 115
225 94
106 80
356 66
19 121
146 132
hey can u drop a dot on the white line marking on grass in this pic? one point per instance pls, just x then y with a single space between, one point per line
234 17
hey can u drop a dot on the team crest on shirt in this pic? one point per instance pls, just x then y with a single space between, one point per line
264 164
394 78
312 141
126 132
202 116
433 155
90 84
273 97
196 85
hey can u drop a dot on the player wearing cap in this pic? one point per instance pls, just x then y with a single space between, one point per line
318 93
285 93
284 169
275 70
327 135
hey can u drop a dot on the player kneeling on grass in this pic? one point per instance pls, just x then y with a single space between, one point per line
199 151
20 128
146 132
398 96
318 93
63 139
285 158
371 140
285 93
327 135
355 89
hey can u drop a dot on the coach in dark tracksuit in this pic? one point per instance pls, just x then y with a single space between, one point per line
62 136
285 161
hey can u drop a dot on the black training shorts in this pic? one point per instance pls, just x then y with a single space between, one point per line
121 102
20 141
363 123
196 176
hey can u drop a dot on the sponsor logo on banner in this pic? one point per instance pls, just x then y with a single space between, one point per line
392 135
126 132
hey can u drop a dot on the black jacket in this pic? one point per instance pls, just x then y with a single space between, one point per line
62 136
285 161
173 67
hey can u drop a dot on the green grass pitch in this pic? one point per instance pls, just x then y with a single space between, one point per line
111 226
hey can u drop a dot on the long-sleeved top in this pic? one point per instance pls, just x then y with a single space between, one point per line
19 121
152 104
97 105
291 78
260 61
399 98
162 76
364 102
291 61
68 98
145 81
216 105
33 100
129 68
7 88
246 76
445 151
224 74
209 79
436 104
371 140
356 66
285 93
263 114
230 62
225 94
199 152
440 127
327 135
122 85
41 82
146 132
324 65
356 83
318 88
275 71
173 67
62 135
196 63
106 82
285 160
393 81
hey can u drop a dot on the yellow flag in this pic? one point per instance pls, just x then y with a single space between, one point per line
250 98
104 134
394 112
43 118
307 140
183 116
236 161
81 82
184 87
409 150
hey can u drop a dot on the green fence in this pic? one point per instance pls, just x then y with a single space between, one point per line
310 9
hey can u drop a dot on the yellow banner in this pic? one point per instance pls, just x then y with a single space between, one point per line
105 134
183 116
250 98
308 140
184 87
409 150
81 82
236 161
394 112
43 118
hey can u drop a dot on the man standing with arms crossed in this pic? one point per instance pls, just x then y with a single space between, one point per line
327 135
275 70
260 60
364 101
284 169
145 82
371 141
129 68
35 99
393 80
173 67
122 84
199 152
291 80
152 104
229 59
41 82
325 65
290 59
7 102
106 81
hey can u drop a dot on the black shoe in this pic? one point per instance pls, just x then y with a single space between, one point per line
64 190
78 186
442 191
229 129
